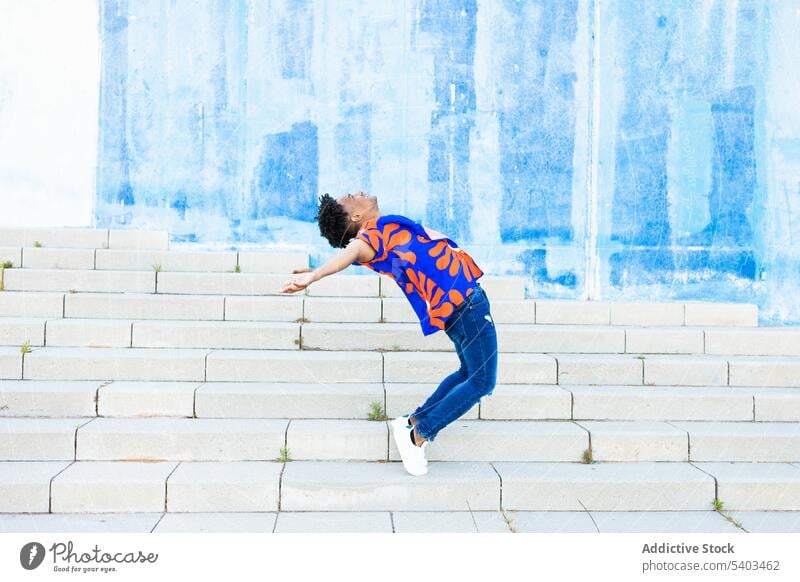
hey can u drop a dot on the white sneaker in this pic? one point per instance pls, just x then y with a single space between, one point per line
423 445
413 457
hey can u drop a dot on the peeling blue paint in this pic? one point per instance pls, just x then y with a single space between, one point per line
222 121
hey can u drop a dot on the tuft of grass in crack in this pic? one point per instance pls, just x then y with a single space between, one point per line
157 268
719 505
37 244
509 521
285 457
25 348
376 412
237 269
5 265
395 348
586 458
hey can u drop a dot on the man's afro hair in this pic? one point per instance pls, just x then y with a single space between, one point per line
334 223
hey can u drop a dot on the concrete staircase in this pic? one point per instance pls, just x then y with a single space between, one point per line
156 389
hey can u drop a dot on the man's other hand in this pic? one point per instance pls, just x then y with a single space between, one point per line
298 283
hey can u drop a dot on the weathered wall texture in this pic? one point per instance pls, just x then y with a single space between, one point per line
604 148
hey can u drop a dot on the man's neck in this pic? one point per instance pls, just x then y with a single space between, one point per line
373 216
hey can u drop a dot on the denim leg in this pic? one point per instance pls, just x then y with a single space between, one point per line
480 353
446 385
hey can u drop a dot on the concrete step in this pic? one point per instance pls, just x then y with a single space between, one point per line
627 441
756 486
662 403
201 261
294 366
238 365
143 306
147 260
31 304
281 400
79 280
250 332
112 364
48 399
777 341
180 439
217 335
14 331
224 486
47 258
111 487
171 334
775 404
90 238
133 399
10 364
264 284
605 487
493 440
12 255
200 302
764 371
25 485
404 522
92 333
352 486
543 312
406 336
119 260
342 400
360 486
347 309
284 308
39 439
251 439
743 441
84 238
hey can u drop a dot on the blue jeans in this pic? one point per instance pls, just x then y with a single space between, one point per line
472 330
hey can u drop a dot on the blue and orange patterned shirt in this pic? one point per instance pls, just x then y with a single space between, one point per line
436 276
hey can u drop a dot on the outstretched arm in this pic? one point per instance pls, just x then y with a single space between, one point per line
356 250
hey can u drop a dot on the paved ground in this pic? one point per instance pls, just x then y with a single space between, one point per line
408 522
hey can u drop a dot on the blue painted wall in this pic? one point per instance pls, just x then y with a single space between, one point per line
610 149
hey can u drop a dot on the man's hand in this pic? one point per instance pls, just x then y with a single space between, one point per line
356 250
299 282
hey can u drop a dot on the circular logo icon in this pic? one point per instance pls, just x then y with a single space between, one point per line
31 555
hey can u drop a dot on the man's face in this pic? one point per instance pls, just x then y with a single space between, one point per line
358 204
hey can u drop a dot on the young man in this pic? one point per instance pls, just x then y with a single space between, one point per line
440 281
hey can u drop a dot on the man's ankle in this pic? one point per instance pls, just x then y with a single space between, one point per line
417 438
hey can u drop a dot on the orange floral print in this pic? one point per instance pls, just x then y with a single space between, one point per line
390 241
456 259
438 309
435 275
